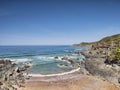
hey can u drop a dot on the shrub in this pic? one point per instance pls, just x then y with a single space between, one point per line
115 55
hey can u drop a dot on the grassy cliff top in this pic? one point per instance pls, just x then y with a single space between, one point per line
111 38
104 40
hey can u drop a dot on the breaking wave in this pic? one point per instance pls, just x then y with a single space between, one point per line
21 60
59 74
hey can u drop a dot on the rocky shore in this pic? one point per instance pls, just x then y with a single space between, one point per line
95 64
102 59
11 75
93 71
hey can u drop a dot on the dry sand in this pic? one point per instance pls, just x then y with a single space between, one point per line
74 81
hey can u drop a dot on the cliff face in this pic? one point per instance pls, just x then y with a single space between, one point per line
110 41
103 58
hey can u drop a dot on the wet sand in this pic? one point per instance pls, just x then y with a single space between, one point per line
73 81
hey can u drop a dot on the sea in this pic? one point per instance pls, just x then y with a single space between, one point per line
42 58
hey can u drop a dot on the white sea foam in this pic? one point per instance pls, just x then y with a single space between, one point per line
59 74
48 58
44 57
20 60
61 66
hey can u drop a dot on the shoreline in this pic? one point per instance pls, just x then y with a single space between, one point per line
73 81
58 74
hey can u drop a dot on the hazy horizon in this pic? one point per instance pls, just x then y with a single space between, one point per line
61 22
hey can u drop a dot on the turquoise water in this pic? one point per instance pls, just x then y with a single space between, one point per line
42 57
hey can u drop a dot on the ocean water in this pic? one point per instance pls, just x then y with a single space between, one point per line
43 57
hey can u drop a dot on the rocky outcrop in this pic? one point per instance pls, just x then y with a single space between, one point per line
95 64
11 75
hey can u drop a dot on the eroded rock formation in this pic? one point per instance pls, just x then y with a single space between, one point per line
11 75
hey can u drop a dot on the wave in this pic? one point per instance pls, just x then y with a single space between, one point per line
10 56
48 58
53 59
45 57
59 74
20 60
19 56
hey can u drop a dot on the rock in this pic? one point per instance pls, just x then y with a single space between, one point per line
64 65
119 80
61 64
90 52
11 75
64 58
82 62
116 66
1 65
71 61
77 52
56 57
107 61
96 66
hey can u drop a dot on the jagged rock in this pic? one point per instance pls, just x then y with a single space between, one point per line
82 62
71 61
12 75
63 65
96 66
65 58
56 57
77 52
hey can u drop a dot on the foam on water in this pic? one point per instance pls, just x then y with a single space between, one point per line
20 60
42 57
59 74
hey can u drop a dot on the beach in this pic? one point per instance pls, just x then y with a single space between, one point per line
65 68
72 81
59 44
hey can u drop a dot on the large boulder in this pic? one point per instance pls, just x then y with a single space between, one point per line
65 58
56 57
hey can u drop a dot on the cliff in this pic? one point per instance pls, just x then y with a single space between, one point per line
103 58
110 41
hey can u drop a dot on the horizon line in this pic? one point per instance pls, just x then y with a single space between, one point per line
41 45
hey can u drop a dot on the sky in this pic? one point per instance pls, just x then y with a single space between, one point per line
57 22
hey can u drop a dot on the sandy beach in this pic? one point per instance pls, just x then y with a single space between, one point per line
72 81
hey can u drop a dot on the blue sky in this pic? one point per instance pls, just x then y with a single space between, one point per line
57 22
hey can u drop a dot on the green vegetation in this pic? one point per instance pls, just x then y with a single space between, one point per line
107 41
110 38
115 55
110 45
